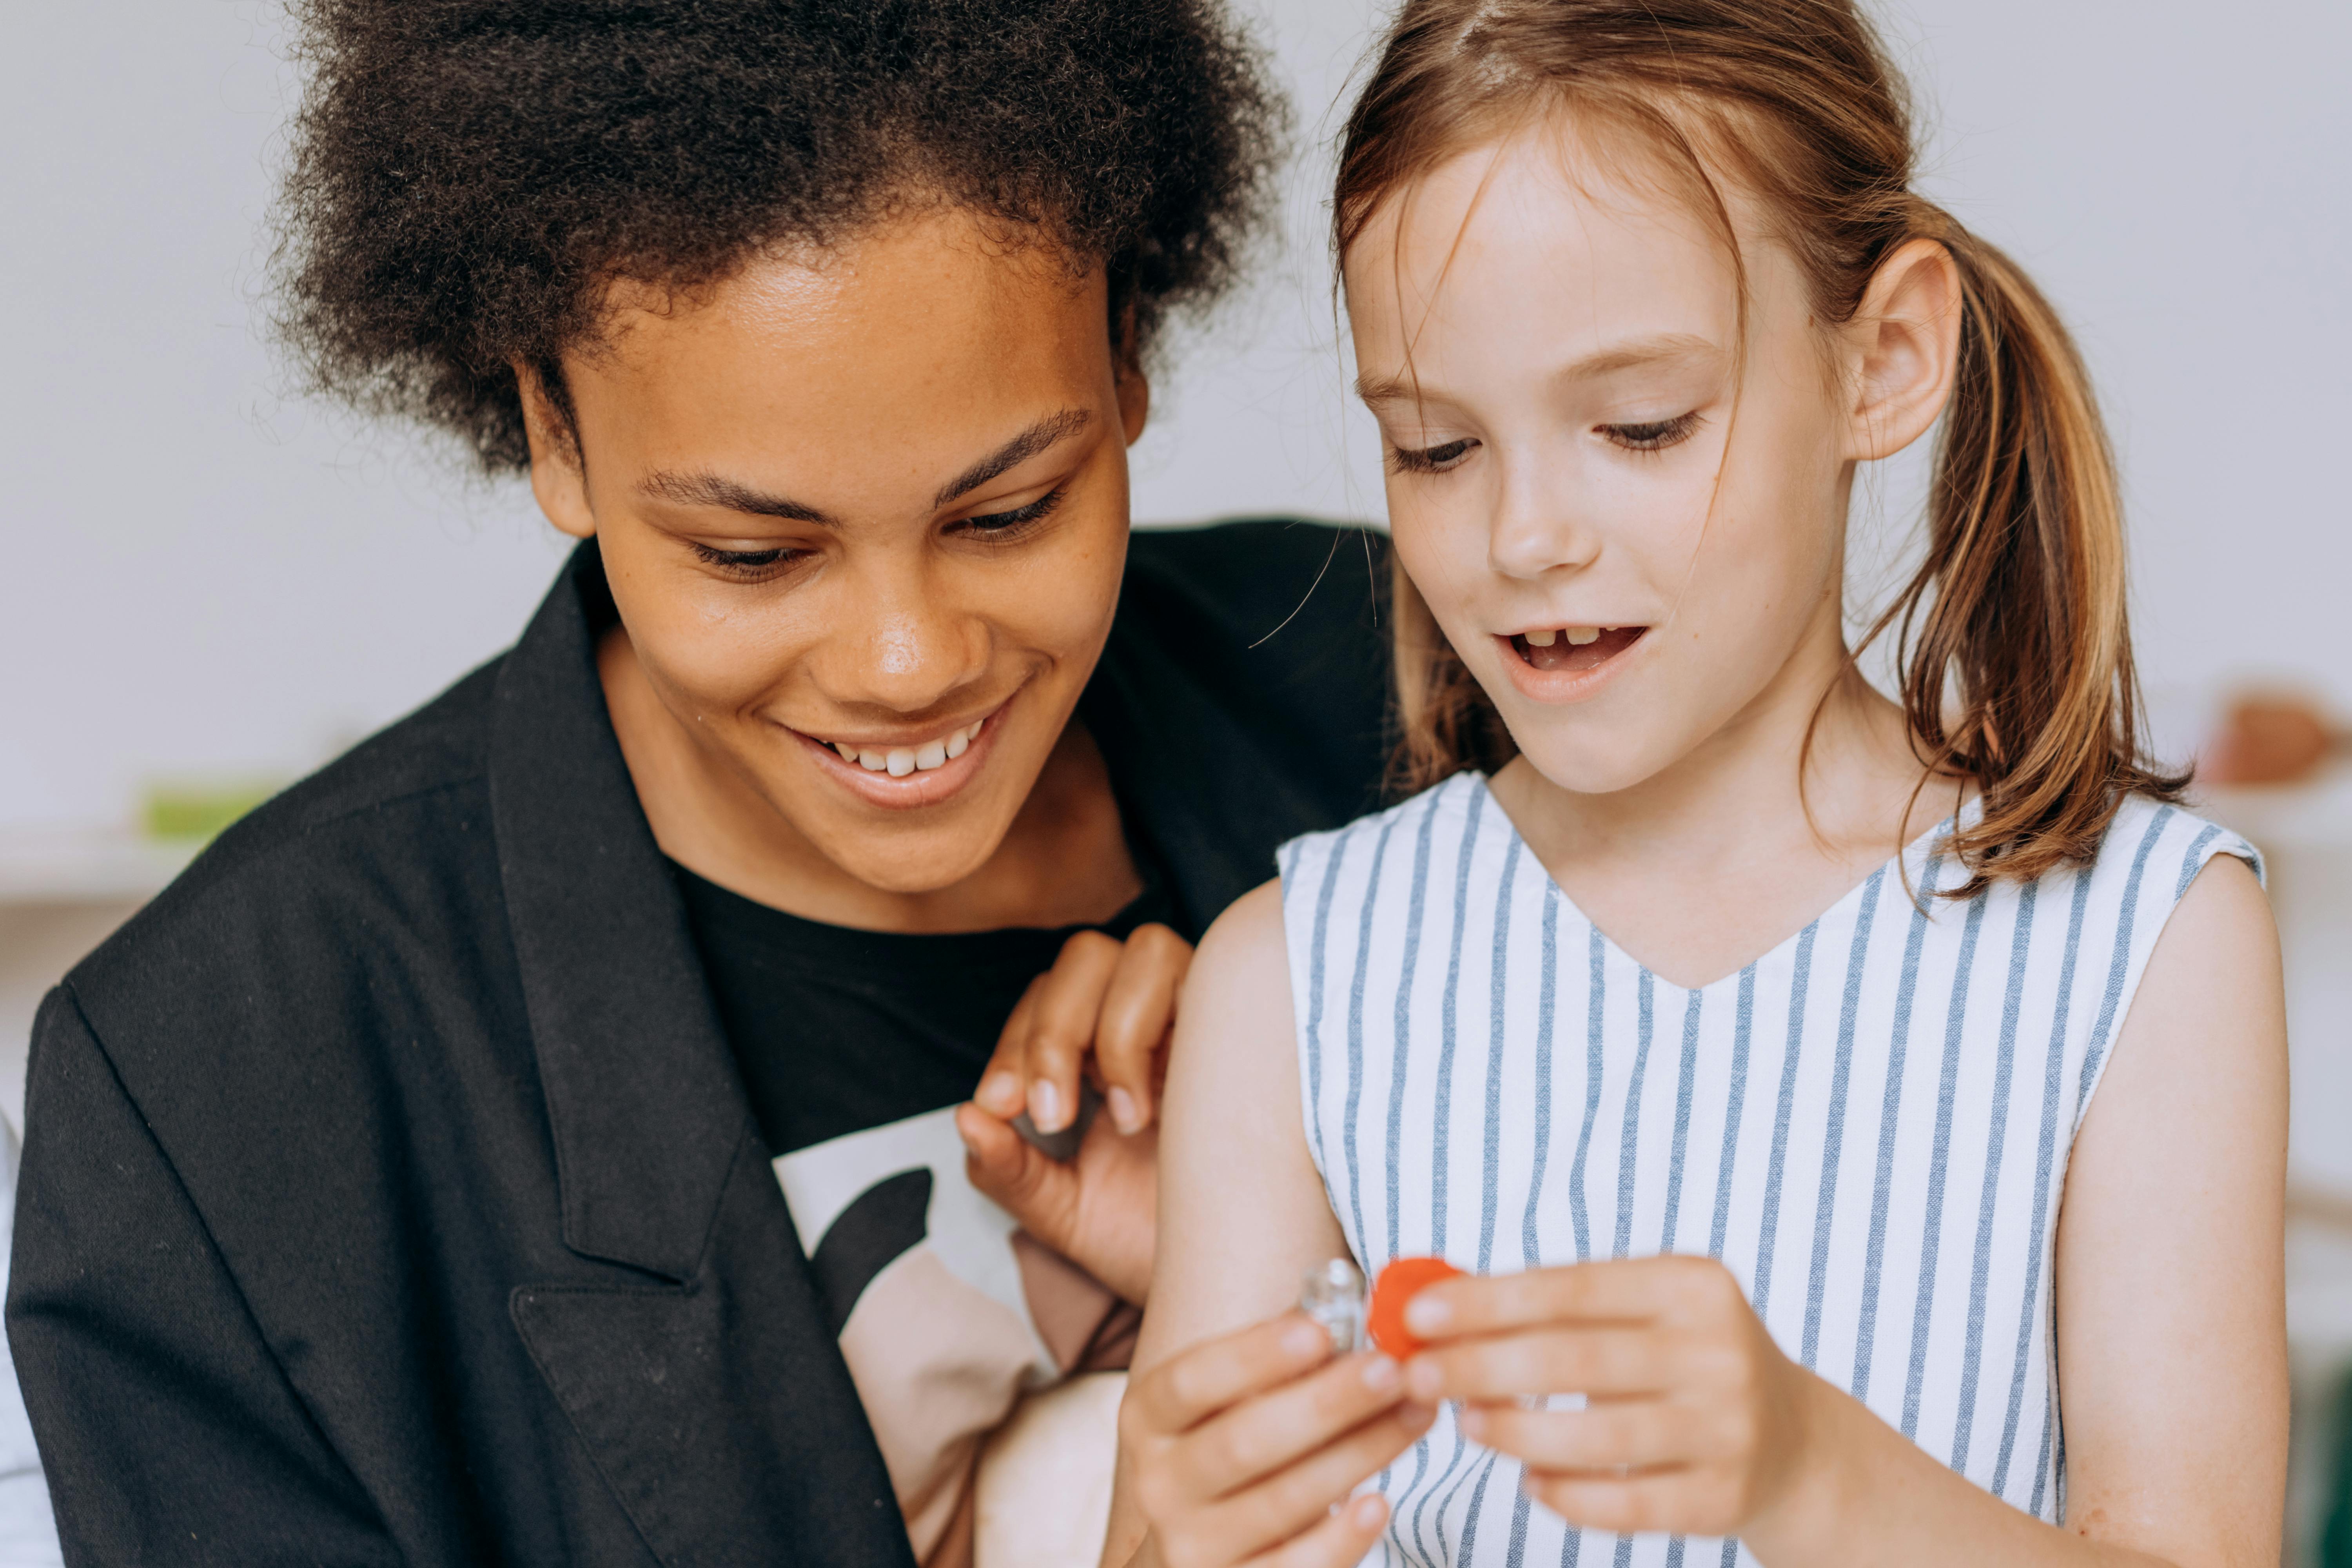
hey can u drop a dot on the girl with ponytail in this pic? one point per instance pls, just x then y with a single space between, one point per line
1857 1121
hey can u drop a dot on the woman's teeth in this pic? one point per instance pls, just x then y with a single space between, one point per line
900 761
1576 635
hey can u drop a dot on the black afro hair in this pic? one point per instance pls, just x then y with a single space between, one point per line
467 176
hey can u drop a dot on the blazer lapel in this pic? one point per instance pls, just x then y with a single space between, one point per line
704 1382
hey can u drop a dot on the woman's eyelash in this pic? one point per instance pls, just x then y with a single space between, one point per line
1655 435
1429 459
997 524
748 562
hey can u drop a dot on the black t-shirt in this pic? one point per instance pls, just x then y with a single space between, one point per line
837 1030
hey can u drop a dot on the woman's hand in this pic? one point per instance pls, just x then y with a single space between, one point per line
1114 1001
1695 1423
1243 1449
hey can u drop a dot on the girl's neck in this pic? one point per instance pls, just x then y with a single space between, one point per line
1735 847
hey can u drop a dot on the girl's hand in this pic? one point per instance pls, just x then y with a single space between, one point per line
1116 1001
1243 1449
1695 1423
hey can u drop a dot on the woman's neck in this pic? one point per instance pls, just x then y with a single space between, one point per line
1063 860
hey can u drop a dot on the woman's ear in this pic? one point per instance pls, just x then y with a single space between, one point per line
1134 400
559 479
1903 343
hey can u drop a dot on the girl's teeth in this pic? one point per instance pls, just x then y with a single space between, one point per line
848 753
930 756
1578 635
957 744
1542 640
872 762
901 761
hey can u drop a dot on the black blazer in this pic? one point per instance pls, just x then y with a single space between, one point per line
389 1195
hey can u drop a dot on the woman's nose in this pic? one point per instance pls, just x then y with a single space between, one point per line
900 646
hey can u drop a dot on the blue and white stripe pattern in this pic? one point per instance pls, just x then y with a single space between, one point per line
1869 1124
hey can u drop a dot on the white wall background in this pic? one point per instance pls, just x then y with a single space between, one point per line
200 577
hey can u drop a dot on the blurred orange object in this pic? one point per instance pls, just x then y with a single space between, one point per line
1398 1283
2269 739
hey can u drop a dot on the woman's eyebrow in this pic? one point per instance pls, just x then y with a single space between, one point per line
706 488
713 489
1019 449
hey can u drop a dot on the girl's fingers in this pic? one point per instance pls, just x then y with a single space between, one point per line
1289 1504
1641 1434
1634 1290
1678 1499
1180 1393
1560 1359
1004 1091
1339 1541
1231 1450
1138 1007
1062 1027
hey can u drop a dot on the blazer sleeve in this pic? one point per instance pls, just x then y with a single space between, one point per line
168 1430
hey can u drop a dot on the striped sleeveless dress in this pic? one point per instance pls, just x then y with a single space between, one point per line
1869 1124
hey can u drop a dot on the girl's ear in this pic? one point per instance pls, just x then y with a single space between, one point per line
559 480
1903 343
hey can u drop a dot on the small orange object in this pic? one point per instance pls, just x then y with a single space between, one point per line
1398 1283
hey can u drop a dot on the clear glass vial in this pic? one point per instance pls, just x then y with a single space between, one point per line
1333 1295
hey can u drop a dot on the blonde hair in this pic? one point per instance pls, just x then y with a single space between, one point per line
2012 639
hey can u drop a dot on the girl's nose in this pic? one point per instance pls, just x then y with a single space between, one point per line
1535 528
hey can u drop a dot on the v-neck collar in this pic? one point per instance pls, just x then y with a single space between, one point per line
1919 857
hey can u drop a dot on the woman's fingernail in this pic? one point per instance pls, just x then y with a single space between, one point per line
1369 1512
1122 1111
1426 1314
1046 1108
999 1090
1381 1375
1471 1421
1422 1377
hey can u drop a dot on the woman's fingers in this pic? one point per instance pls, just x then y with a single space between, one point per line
1061 1026
1341 1540
1138 1008
1233 1449
1004 1091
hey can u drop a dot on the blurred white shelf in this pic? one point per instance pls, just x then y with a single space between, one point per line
2292 817
85 865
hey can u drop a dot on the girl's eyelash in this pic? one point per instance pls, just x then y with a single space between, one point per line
1655 435
1000 524
1429 459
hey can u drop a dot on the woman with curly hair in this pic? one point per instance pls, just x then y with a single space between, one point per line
547 1135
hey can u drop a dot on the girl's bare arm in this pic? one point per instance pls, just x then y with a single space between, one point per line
1242 1217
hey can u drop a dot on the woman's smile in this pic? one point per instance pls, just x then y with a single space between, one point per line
909 773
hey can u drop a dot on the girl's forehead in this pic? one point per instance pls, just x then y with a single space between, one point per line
1542 236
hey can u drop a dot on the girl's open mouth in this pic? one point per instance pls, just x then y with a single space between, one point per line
1574 649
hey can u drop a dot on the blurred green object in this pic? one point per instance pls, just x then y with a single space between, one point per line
195 811
2335 1534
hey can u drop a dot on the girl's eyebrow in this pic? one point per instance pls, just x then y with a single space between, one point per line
1631 354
